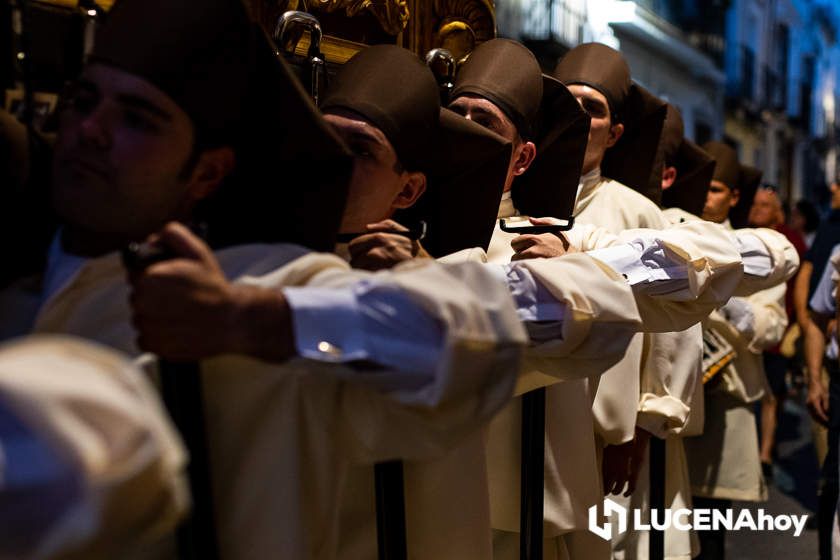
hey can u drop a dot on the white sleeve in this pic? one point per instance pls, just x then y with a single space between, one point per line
86 441
39 486
757 259
538 310
413 319
769 259
647 265
682 272
369 321
374 321
740 315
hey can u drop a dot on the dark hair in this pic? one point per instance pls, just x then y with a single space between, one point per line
810 213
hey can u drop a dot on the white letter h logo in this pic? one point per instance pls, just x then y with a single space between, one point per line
605 531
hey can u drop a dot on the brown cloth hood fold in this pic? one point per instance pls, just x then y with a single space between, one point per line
735 175
195 51
506 73
599 67
694 167
391 88
219 66
549 186
633 159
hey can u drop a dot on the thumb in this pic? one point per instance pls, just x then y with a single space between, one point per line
546 221
185 244
386 225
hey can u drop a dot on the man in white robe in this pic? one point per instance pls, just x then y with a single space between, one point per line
332 417
127 160
724 461
572 316
483 96
656 408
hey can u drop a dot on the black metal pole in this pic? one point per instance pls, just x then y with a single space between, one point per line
390 511
183 396
531 475
656 545
25 44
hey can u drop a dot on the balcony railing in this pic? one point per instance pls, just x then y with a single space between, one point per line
558 20
775 91
805 95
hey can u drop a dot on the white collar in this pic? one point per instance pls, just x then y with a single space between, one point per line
506 207
589 180
61 267
586 188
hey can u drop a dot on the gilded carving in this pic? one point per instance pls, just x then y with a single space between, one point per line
463 24
392 15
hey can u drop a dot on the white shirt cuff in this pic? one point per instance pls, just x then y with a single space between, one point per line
755 256
327 324
370 321
645 263
540 312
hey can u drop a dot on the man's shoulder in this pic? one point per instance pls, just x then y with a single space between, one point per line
679 216
618 189
260 260
633 201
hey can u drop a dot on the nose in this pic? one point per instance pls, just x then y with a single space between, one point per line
96 128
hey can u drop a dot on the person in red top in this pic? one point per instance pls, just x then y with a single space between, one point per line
766 211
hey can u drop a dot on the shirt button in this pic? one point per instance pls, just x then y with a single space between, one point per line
326 348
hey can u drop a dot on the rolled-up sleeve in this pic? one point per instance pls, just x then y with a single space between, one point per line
756 258
769 259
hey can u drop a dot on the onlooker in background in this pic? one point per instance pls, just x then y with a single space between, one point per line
823 306
767 211
805 219
810 271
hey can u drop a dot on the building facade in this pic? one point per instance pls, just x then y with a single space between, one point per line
763 75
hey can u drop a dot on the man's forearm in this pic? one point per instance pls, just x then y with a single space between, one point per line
800 294
814 348
261 324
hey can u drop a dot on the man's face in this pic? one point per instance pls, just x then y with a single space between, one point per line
379 185
766 210
602 133
121 156
487 114
719 200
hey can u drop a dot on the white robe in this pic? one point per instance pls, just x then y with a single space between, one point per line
667 369
724 462
94 468
599 320
573 486
282 437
